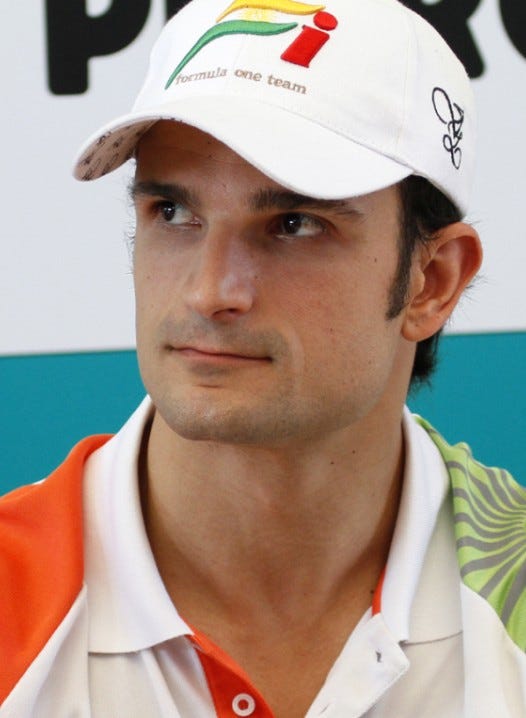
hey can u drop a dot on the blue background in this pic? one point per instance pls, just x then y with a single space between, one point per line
50 402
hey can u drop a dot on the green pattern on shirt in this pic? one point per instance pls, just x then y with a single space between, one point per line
489 509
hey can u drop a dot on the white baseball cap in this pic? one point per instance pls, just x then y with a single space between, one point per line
331 101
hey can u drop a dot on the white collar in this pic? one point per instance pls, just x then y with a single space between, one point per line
128 604
129 608
420 597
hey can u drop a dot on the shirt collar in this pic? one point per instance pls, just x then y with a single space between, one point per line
421 591
128 605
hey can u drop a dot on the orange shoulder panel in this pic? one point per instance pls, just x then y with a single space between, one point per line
41 561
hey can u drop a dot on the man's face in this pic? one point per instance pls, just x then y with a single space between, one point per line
261 314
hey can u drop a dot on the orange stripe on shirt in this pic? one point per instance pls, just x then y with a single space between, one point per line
377 597
41 562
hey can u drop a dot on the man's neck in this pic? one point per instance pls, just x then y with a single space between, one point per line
275 521
266 551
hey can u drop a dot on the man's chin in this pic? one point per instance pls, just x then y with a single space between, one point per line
227 423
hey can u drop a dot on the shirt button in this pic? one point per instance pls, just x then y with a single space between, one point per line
243 705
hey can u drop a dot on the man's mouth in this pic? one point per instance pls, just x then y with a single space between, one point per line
218 355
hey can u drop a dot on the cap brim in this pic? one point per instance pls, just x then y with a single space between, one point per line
297 153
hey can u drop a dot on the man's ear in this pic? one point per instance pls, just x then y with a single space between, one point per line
442 269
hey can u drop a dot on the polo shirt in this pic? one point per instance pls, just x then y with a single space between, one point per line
113 644
145 661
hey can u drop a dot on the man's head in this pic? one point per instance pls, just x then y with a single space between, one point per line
264 315
251 127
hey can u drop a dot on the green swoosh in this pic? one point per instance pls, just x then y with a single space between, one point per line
231 27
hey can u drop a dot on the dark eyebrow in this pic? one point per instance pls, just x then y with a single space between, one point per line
286 200
172 192
264 199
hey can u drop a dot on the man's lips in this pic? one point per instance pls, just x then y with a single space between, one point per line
212 354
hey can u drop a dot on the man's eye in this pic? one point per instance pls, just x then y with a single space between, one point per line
175 214
295 224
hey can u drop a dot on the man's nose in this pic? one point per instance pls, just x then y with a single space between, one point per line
220 283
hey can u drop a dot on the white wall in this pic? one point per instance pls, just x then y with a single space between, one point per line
64 271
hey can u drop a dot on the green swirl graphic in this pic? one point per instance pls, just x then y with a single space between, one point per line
489 509
231 27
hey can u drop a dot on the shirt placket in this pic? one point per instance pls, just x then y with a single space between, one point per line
232 692
370 664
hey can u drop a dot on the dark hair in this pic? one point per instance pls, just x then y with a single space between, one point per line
424 210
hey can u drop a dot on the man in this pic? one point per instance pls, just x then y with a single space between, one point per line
272 533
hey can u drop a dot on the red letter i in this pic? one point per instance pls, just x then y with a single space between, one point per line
306 46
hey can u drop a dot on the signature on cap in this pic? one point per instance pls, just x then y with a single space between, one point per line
451 115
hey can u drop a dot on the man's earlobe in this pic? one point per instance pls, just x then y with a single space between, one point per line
442 270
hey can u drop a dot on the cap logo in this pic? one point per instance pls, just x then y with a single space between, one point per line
452 116
300 52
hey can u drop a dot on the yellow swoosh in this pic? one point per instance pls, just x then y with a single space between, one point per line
288 6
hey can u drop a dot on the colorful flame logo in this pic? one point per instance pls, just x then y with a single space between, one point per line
247 27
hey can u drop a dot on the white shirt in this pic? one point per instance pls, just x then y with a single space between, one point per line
404 662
